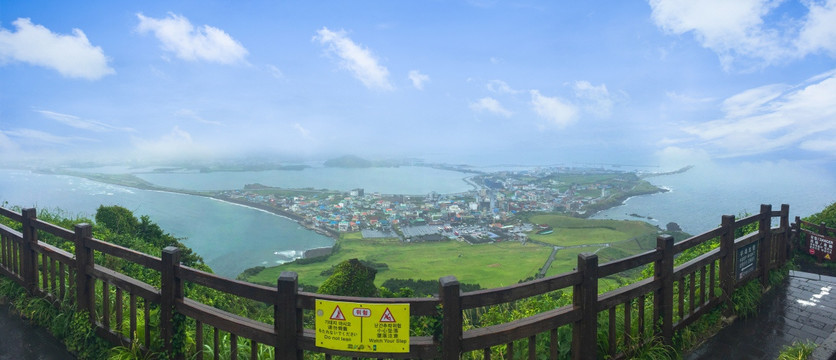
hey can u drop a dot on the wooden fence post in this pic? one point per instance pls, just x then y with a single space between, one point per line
451 303
663 269
170 289
287 322
28 256
727 279
765 248
796 235
784 249
84 284
585 297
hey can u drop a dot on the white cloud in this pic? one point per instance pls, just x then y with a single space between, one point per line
176 145
490 104
732 29
500 87
356 59
742 31
767 119
79 123
821 145
181 38
302 131
596 99
751 101
71 55
191 114
819 31
555 110
418 79
276 72
40 138
6 144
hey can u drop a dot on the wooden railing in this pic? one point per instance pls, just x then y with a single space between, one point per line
672 298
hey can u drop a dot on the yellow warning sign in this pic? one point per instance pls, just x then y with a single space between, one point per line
346 326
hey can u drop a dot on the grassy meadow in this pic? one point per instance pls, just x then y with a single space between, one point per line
571 231
490 265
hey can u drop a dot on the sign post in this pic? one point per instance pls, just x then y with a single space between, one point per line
821 246
362 327
747 260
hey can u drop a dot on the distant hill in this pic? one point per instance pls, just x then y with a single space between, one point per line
349 161
352 161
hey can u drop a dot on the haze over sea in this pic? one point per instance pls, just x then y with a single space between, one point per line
232 238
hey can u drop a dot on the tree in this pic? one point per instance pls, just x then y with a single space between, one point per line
351 278
117 219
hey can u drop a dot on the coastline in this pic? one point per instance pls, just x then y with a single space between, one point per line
132 182
278 212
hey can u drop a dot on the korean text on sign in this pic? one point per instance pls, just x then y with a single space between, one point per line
362 327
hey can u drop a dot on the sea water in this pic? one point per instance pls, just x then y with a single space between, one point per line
229 237
698 198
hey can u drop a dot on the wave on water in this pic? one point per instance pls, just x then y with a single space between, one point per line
288 255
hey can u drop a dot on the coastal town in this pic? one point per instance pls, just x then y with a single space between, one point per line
495 210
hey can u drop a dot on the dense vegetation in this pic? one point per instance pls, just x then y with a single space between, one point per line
826 216
118 225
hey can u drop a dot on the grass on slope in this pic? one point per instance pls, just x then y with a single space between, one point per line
569 231
489 265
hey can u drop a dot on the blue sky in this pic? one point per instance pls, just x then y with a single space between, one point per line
632 82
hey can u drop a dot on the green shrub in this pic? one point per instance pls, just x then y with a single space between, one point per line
797 351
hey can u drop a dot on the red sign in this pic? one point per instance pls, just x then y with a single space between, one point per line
821 246
337 314
362 312
387 316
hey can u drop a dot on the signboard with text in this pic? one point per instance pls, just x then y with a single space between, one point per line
747 260
820 246
361 327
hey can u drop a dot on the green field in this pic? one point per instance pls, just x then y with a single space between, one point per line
570 231
490 265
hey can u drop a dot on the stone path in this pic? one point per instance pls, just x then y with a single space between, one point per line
19 340
802 308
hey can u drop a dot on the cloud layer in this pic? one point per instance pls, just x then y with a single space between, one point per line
418 79
555 110
490 105
180 37
773 118
738 33
71 55
355 58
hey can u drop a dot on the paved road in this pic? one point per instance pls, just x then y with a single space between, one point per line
21 341
802 308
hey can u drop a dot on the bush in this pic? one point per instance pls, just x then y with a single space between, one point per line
351 278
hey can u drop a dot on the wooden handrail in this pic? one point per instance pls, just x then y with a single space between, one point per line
24 256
